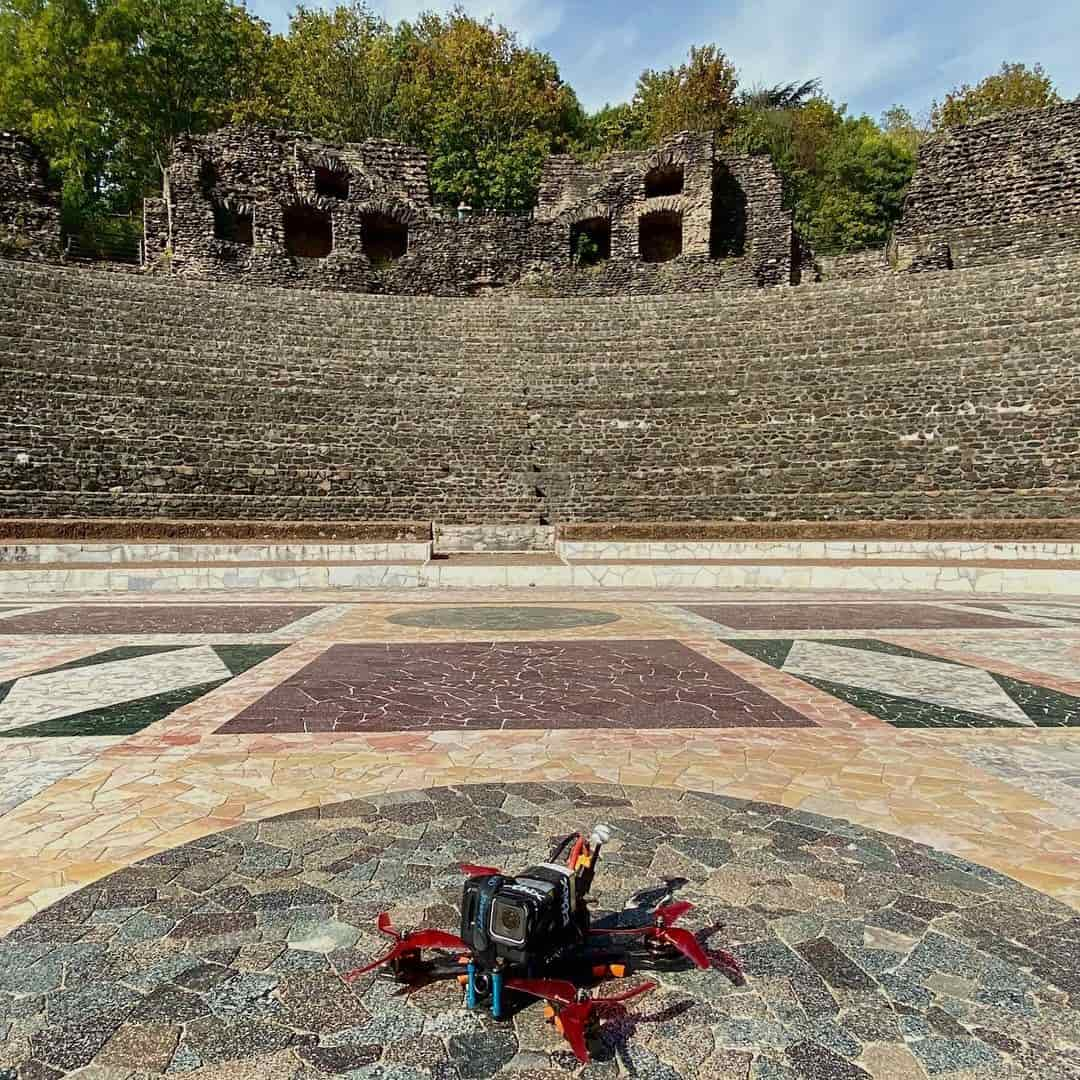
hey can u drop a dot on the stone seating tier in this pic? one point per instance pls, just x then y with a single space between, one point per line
938 395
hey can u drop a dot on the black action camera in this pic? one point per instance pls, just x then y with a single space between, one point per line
520 920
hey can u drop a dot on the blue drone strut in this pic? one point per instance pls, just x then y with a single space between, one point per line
496 995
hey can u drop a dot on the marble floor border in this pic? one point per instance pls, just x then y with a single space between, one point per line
148 794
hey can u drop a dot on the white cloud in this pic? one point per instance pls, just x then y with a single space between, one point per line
851 45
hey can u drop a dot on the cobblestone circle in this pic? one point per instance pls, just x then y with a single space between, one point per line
864 954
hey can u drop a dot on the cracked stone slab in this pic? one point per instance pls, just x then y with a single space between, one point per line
540 684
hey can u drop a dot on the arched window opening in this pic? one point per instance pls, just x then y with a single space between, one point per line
590 241
333 183
384 238
308 232
235 226
727 227
660 236
664 180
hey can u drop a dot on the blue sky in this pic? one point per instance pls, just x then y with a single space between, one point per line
869 53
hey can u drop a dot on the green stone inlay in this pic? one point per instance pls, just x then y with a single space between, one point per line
906 712
1043 706
123 719
772 651
123 652
241 658
5 687
873 645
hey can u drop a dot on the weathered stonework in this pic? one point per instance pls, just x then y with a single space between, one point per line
911 396
29 205
1002 188
234 200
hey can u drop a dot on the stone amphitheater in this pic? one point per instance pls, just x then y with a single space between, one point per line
345 538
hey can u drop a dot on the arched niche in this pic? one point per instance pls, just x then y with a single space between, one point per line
384 238
309 233
660 236
664 180
590 241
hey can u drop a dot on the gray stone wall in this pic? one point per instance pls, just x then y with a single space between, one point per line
260 174
1002 188
906 396
29 205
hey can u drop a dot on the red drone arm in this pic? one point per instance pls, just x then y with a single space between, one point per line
472 870
559 991
422 939
663 929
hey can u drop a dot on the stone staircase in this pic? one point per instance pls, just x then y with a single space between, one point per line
932 395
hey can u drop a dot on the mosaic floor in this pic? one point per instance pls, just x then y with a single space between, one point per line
874 805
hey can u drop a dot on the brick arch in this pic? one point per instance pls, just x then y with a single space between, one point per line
391 208
589 211
667 204
665 174
666 157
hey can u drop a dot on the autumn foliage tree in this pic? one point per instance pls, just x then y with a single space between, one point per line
1015 86
103 86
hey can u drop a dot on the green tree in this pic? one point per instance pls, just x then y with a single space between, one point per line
613 127
845 178
1015 86
858 195
699 95
105 85
178 67
342 71
486 108
899 124
50 88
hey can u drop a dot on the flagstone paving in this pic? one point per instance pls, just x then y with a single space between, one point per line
854 947
908 847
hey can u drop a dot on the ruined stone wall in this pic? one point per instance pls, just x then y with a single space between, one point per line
1001 188
260 174
29 205
905 396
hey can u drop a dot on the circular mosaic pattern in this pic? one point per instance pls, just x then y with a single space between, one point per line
864 954
503 618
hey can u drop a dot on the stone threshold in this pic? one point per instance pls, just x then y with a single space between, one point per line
986 578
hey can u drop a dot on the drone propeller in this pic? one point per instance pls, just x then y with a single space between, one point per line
407 943
472 870
572 1012
663 929
572 1021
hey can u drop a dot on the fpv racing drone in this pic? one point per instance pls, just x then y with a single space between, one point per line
530 935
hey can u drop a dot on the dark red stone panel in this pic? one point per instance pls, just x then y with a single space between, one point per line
538 684
159 619
849 617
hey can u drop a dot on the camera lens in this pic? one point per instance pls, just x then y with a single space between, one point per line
508 922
